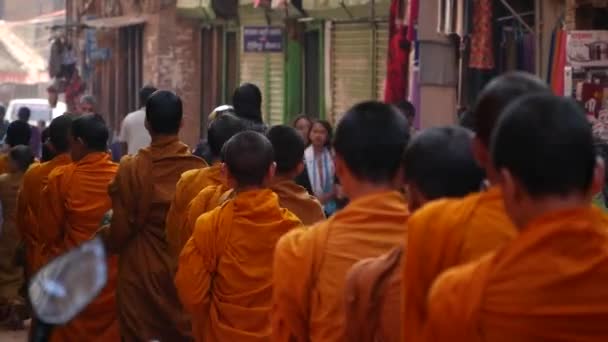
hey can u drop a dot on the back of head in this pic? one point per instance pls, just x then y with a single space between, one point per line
59 133
22 157
164 113
545 142
247 102
92 131
497 95
145 93
24 113
371 138
440 163
248 157
288 148
18 133
221 130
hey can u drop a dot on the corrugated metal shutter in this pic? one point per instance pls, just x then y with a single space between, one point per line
253 69
381 57
351 66
276 88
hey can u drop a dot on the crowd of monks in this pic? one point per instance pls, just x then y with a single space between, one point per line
449 235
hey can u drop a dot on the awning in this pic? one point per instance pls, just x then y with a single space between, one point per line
115 22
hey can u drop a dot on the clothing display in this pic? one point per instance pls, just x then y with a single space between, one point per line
482 56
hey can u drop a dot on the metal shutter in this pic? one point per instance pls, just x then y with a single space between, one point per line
381 58
276 88
351 66
253 70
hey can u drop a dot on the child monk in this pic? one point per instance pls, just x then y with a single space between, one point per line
72 206
224 277
17 133
12 304
148 306
289 155
432 163
310 265
453 232
549 283
180 223
34 181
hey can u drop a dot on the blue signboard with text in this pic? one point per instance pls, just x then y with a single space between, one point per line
263 39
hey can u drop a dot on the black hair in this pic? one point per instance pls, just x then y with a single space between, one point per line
221 130
497 95
2 110
328 128
248 156
546 143
59 133
440 162
145 93
93 132
288 147
407 108
22 156
18 133
302 117
164 112
24 114
371 138
247 102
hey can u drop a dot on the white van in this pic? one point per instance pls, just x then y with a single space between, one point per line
40 108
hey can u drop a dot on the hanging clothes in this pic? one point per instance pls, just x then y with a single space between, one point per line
482 52
557 78
398 56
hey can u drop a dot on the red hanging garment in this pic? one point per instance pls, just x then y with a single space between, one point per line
398 53
482 52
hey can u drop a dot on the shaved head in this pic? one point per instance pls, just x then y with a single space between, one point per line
92 131
248 156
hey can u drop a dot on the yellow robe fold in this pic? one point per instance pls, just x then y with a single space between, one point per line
28 206
549 284
310 266
148 306
72 207
297 199
444 234
224 278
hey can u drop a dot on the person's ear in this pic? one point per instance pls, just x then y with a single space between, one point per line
480 152
228 176
300 168
511 189
340 167
271 172
147 125
599 177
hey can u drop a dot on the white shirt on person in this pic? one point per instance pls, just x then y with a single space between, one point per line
133 131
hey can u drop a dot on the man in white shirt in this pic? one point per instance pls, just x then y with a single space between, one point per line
133 133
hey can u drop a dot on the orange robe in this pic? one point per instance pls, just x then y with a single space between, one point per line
148 306
189 185
224 278
72 207
4 163
310 265
549 284
444 234
373 297
28 206
297 200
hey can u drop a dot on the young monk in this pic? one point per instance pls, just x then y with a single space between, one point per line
210 182
289 156
224 278
17 133
34 181
12 304
148 306
454 231
432 162
548 284
310 265
71 208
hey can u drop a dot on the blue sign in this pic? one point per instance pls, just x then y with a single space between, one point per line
263 39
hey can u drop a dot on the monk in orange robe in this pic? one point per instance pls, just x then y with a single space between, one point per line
451 232
17 133
310 265
148 306
191 183
72 207
12 304
432 161
224 277
549 283
34 181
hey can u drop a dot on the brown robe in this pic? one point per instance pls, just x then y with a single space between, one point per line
11 273
148 306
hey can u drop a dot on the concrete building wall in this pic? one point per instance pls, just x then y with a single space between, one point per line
25 9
